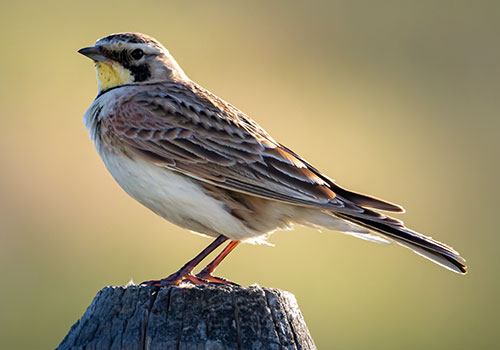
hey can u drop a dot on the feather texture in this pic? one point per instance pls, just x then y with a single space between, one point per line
202 135
182 127
202 164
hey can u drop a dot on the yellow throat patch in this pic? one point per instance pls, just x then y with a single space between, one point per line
112 74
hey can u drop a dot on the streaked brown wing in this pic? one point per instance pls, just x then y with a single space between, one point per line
192 131
187 129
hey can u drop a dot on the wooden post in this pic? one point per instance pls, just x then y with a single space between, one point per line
210 317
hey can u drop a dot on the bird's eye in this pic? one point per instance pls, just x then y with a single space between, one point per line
137 54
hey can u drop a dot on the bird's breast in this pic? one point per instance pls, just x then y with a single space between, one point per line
178 198
175 197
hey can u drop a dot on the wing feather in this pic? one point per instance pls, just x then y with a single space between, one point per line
187 129
202 136
219 142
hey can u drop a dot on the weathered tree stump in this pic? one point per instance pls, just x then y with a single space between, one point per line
189 317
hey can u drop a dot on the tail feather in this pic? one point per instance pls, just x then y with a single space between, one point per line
442 260
366 201
360 199
427 247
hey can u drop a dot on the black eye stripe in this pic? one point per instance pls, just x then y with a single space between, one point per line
141 72
125 56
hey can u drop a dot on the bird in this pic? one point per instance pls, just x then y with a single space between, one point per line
204 165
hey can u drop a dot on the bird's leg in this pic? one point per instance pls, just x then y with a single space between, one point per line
206 273
185 271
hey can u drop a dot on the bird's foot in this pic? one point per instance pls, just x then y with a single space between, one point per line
210 279
199 279
195 280
172 280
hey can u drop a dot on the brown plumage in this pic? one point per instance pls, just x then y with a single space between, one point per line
182 130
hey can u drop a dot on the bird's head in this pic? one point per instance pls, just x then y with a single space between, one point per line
131 58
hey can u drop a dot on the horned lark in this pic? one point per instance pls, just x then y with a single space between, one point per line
202 164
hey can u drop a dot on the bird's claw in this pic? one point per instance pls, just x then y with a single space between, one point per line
215 280
199 279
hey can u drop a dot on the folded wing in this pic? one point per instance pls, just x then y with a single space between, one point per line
187 129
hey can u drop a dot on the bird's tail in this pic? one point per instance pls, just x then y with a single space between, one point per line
425 246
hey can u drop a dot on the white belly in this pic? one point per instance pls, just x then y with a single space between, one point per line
175 197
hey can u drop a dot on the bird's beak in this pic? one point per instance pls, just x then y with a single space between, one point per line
93 52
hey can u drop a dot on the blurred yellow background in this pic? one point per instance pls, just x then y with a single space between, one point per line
399 99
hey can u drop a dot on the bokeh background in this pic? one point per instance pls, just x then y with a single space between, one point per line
399 99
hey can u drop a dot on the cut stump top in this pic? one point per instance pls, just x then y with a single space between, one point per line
186 317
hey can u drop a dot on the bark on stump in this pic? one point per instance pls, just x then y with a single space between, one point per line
189 317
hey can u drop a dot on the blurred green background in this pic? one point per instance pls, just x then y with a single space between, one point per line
399 99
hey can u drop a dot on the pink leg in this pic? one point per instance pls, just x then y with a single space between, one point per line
186 270
206 273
